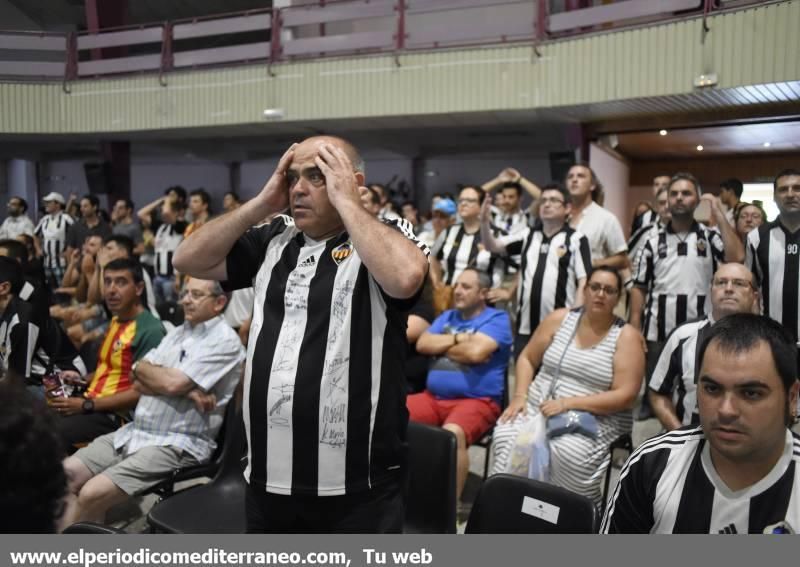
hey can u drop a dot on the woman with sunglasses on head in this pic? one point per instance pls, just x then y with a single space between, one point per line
590 365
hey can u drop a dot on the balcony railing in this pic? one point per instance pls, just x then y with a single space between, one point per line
331 28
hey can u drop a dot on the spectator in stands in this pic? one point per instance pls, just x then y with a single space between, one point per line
411 214
676 265
746 218
167 238
199 208
387 208
772 254
736 473
133 331
231 201
730 193
673 384
555 262
18 331
90 224
322 455
588 217
185 384
514 177
34 487
443 214
660 183
122 217
588 360
464 391
50 349
17 222
52 233
640 236
456 248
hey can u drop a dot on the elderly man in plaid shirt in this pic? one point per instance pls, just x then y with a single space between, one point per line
185 382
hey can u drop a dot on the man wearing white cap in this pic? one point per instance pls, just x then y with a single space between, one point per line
52 234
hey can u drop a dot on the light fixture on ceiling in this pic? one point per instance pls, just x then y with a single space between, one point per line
700 148
663 132
767 144
273 113
705 80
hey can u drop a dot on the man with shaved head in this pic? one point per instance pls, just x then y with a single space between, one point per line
324 402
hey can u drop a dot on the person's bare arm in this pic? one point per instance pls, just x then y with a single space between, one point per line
163 380
664 410
579 292
637 306
416 326
628 372
202 255
530 187
381 248
617 261
472 348
144 212
435 272
734 249
435 344
488 240
529 360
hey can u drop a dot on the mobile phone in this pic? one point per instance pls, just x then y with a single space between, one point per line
703 212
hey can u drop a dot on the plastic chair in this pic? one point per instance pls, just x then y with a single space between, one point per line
431 493
623 447
508 504
91 528
217 507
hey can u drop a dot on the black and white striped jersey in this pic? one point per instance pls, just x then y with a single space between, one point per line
18 339
456 249
675 373
324 391
670 485
511 223
638 238
676 271
773 255
551 270
647 217
52 230
167 239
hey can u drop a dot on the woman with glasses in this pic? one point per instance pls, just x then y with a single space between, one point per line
589 362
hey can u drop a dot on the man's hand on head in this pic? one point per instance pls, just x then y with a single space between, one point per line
274 196
340 179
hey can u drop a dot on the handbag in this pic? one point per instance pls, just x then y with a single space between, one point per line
530 455
570 421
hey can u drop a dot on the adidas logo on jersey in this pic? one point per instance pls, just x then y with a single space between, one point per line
729 529
309 262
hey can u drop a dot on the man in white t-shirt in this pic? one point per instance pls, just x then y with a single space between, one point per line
600 226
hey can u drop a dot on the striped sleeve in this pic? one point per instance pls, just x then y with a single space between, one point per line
751 254
643 273
407 230
669 366
717 246
583 256
39 231
247 255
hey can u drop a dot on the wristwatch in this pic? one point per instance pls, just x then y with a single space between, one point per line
88 405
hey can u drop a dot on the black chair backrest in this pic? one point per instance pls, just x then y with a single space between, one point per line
431 495
508 504
91 528
234 443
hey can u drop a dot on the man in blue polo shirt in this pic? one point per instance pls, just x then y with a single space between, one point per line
465 384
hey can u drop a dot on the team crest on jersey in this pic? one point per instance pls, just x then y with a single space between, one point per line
342 252
701 246
561 251
117 345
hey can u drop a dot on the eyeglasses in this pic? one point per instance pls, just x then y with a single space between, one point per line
554 200
598 287
468 201
195 295
736 283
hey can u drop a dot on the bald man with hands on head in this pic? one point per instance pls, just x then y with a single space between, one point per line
324 389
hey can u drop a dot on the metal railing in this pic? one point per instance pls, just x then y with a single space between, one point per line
328 29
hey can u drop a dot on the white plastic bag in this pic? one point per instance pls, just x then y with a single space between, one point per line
530 456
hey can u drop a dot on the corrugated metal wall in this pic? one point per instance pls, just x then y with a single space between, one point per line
749 47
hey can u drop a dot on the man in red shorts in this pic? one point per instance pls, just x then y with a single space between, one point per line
465 383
